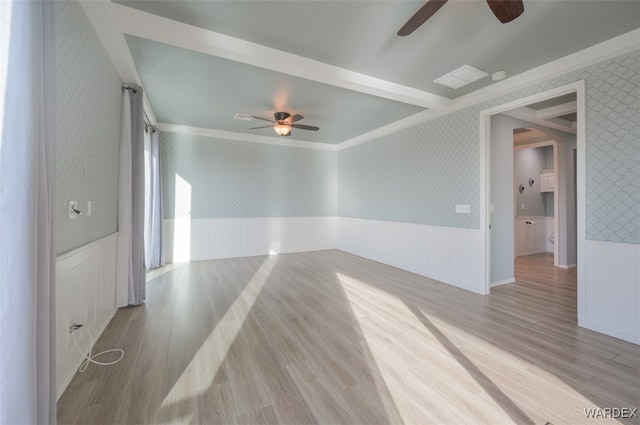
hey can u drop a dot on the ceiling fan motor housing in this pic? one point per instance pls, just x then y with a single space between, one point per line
281 116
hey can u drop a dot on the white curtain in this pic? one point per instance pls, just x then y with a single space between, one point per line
154 251
131 288
27 198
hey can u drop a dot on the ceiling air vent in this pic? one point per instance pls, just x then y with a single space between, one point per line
242 117
460 77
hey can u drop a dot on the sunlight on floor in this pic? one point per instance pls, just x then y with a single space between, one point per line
214 349
466 376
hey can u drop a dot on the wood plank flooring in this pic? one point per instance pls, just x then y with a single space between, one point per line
330 338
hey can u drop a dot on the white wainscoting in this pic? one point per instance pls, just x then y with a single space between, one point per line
612 282
532 235
207 239
450 255
85 294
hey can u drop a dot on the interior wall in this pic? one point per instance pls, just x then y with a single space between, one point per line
416 175
88 98
567 220
228 198
502 198
612 187
404 176
548 196
528 164
206 177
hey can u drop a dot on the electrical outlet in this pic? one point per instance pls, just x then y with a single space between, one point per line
74 325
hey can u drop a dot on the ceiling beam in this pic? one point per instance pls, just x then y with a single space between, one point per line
528 114
127 20
557 111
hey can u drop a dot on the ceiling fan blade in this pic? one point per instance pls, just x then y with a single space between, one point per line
421 16
263 119
264 126
506 10
305 127
295 118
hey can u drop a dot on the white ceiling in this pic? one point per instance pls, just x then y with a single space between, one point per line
338 63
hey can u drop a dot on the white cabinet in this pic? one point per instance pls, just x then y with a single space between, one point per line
532 234
547 180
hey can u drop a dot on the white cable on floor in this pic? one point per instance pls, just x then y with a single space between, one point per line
89 358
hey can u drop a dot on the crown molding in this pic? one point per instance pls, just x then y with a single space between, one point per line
617 46
112 20
253 138
127 20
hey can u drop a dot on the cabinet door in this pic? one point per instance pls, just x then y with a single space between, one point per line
547 180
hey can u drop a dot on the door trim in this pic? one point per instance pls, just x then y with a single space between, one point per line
577 87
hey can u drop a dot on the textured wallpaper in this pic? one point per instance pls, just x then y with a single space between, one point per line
88 97
408 177
205 177
416 175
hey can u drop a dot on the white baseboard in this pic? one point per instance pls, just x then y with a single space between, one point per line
85 294
612 289
447 254
567 266
208 239
503 282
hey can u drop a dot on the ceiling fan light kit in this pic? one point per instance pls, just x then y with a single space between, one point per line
283 122
282 129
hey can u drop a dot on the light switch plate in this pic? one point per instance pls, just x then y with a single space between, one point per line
88 208
463 208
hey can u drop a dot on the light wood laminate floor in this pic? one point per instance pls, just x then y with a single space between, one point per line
331 338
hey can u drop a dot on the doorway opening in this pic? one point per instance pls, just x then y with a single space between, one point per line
536 195
553 120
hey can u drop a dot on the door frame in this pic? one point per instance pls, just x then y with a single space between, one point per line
578 88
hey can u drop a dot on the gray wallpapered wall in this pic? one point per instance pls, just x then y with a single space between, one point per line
418 174
88 97
415 175
230 178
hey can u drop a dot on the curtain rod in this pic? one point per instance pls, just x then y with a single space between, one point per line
147 123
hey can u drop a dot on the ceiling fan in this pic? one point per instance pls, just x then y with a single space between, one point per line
283 123
505 11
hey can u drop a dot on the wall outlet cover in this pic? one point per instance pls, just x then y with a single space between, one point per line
463 208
